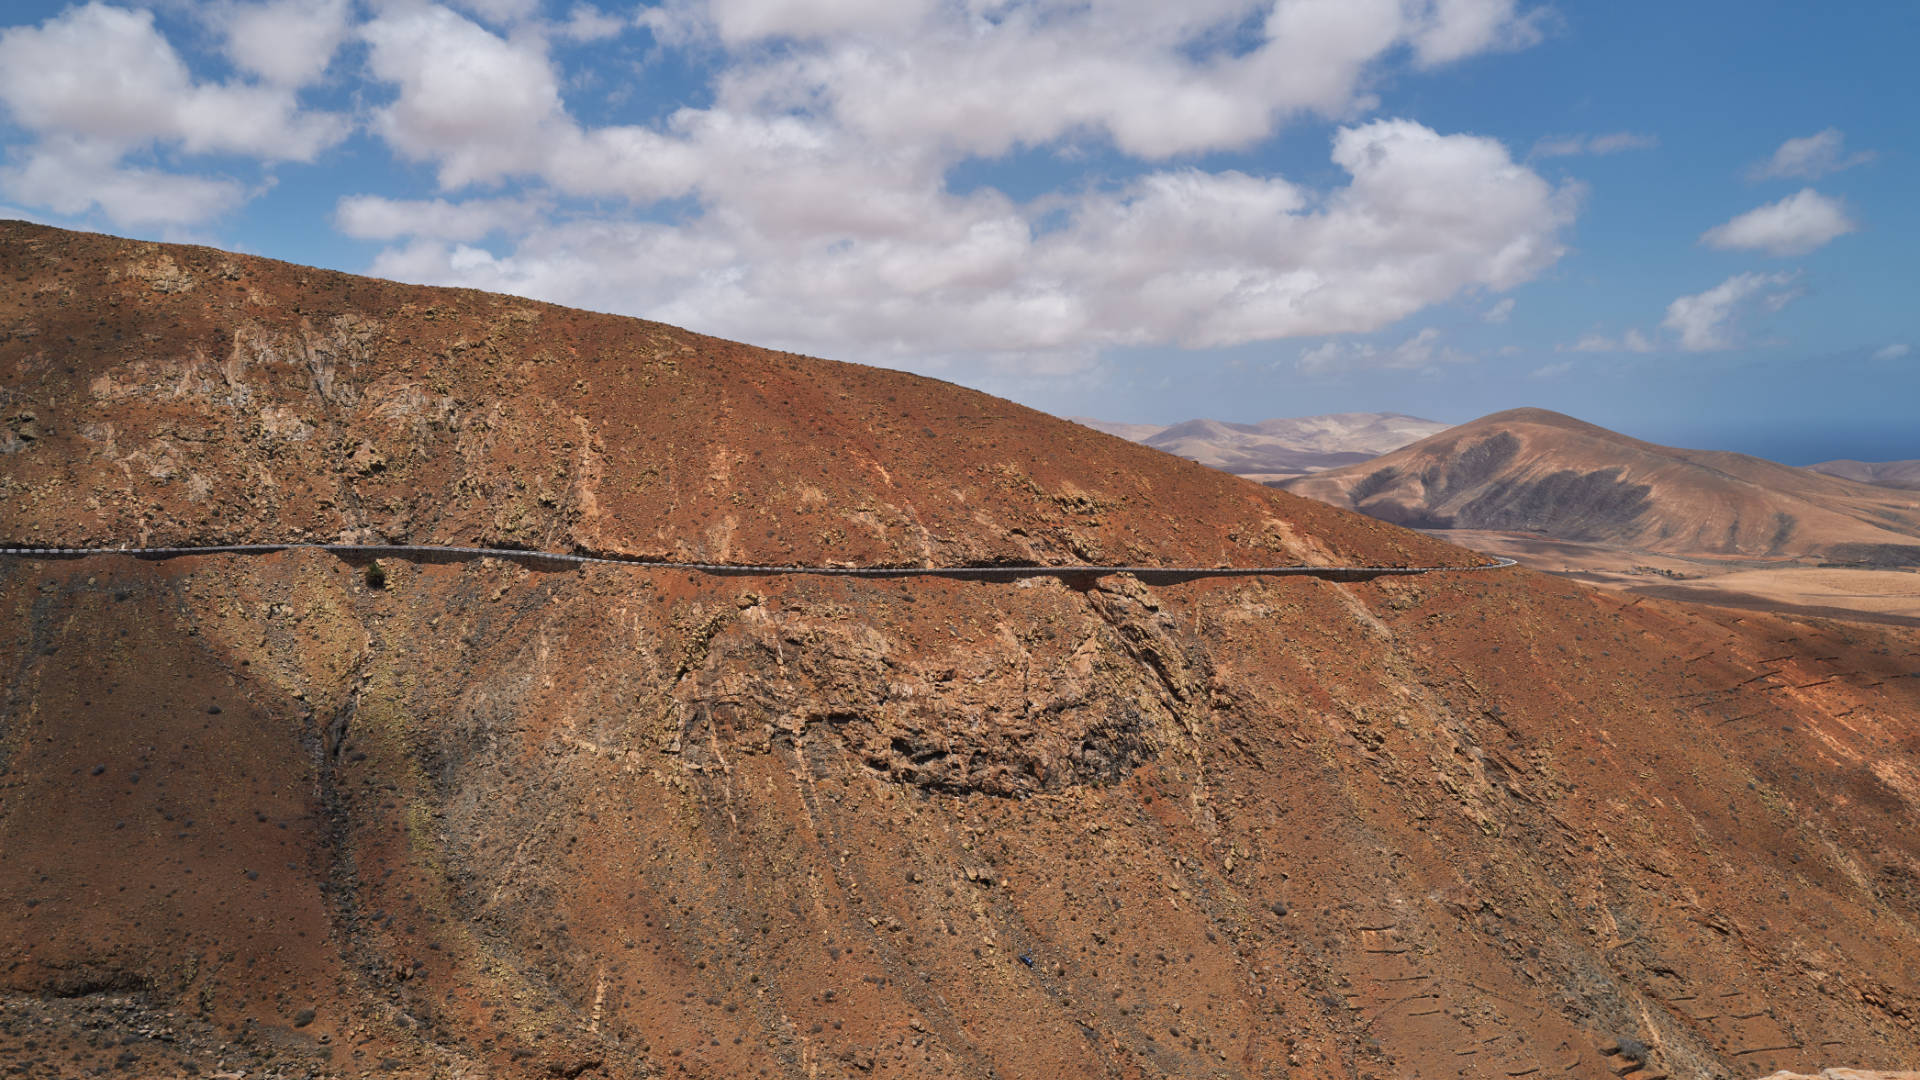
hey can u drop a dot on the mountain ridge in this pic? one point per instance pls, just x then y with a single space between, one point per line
307 812
1537 471
1895 474
1271 449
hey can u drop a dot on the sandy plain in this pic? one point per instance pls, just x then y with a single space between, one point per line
1789 586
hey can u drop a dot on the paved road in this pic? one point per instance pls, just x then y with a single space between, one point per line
556 559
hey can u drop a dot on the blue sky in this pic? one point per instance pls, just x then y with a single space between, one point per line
1690 222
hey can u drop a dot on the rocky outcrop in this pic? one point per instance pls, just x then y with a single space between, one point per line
1097 689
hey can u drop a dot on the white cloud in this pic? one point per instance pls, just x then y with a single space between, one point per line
500 12
483 107
372 217
98 84
784 257
1551 371
1633 341
284 42
739 22
1421 352
1705 321
989 75
488 109
1570 145
1219 259
824 219
1893 352
1795 225
1500 312
75 176
1810 158
1450 30
107 74
588 23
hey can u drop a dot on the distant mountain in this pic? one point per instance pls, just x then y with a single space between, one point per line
1893 474
1534 471
1281 448
1130 432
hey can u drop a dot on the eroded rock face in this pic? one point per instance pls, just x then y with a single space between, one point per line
259 814
1078 692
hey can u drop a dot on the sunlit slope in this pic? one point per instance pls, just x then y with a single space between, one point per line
1530 470
260 815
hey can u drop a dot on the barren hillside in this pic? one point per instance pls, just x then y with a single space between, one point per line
1534 471
278 815
1894 474
1272 450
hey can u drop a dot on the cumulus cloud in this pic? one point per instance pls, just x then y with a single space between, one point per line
1810 158
1795 225
284 42
75 176
1155 79
1706 321
1174 256
1421 352
106 73
481 106
1893 352
373 217
1500 312
98 84
782 253
1571 145
1450 30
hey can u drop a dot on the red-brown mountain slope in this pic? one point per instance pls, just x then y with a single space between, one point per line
1531 470
257 815
179 394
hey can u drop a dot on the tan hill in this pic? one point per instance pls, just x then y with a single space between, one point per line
1893 474
278 815
1130 432
1280 448
1534 471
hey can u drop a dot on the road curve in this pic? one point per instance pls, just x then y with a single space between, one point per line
557 559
